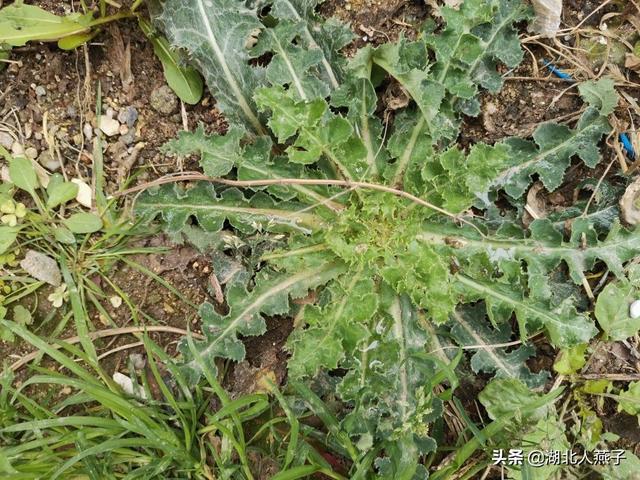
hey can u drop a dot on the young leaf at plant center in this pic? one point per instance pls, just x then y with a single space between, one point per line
612 306
20 23
185 81
83 222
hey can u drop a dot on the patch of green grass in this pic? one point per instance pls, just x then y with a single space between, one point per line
97 431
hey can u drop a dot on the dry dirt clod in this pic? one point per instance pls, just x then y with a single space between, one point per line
163 100
41 267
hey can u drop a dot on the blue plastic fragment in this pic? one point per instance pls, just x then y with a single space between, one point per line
627 145
557 72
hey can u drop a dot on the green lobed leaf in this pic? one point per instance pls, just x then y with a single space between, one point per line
549 155
291 63
326 35
218 153
202 28
469 327
564 325
571 360
212 208
499 42
330 334
389 386
629 399
319 133
270 296
600 94
358 95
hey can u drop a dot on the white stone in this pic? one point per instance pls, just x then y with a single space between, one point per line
127 385
85 194
634 309
31 153
6 140
109 126
17 148
88 131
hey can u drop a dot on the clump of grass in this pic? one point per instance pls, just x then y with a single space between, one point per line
97 431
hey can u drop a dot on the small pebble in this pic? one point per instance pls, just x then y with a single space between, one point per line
17 148
6 140
88 131
123 130
31 153
47 161
163 100
634 310
109 126
137 360
40 91
110 112
128 116
129 137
